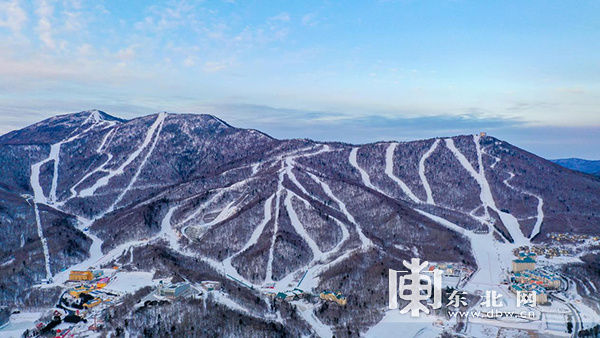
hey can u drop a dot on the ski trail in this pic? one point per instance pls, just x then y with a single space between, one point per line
540 206
100 168
485 195
103 181
299 228
496 158
220 192
290 164
254 237
327 254
389 170
269 273
106 137
345 236
255 167
422 172
38 192
307 313
40 231
55 153
363 174
167 231
54 156
366 242
160 119
261 227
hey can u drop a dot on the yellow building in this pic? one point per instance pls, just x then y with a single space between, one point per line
92 303
333 297
81 275
523 264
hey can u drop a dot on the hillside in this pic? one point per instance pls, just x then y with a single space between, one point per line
192 196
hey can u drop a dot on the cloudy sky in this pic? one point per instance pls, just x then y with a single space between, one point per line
358 71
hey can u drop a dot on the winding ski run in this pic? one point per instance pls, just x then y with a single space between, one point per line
94 120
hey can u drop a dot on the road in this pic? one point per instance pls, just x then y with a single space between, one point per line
576 316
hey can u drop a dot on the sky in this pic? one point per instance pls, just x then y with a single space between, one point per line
527 72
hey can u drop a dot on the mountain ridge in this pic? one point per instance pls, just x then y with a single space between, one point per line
264 210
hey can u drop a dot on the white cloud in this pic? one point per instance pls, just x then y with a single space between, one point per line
215 66
189 61
309 19
12 15
126 54
284 17
44 11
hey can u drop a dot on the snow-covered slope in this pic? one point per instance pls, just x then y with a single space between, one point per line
278 213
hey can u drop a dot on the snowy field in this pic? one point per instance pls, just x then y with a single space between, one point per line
19 323
129 282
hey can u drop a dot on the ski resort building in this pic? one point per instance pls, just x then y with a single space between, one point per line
333 297
525 263
538 277
210 285
173 290
76 275
541 295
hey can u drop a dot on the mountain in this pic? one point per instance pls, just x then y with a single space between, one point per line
192 197
578 164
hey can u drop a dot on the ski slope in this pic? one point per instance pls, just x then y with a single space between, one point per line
103 181
160 119
540 206
486 197
424 181
389 170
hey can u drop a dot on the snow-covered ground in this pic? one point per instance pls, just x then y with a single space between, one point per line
307 312
129 282
19 323
424 181
103 181
395 324
389 170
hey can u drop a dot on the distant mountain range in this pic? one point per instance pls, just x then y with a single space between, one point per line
578 164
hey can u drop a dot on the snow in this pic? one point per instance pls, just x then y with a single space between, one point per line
540 206
160 119
300 230
485 195
98 169
389 170
342 207
422 172
166 230
8 262
363 174
269 277
261 227
103 181
18 323
395 324
40 232
307 312
492 257
129 282
289 163
222 298
54 156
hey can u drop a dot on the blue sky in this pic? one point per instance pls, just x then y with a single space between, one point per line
356 71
